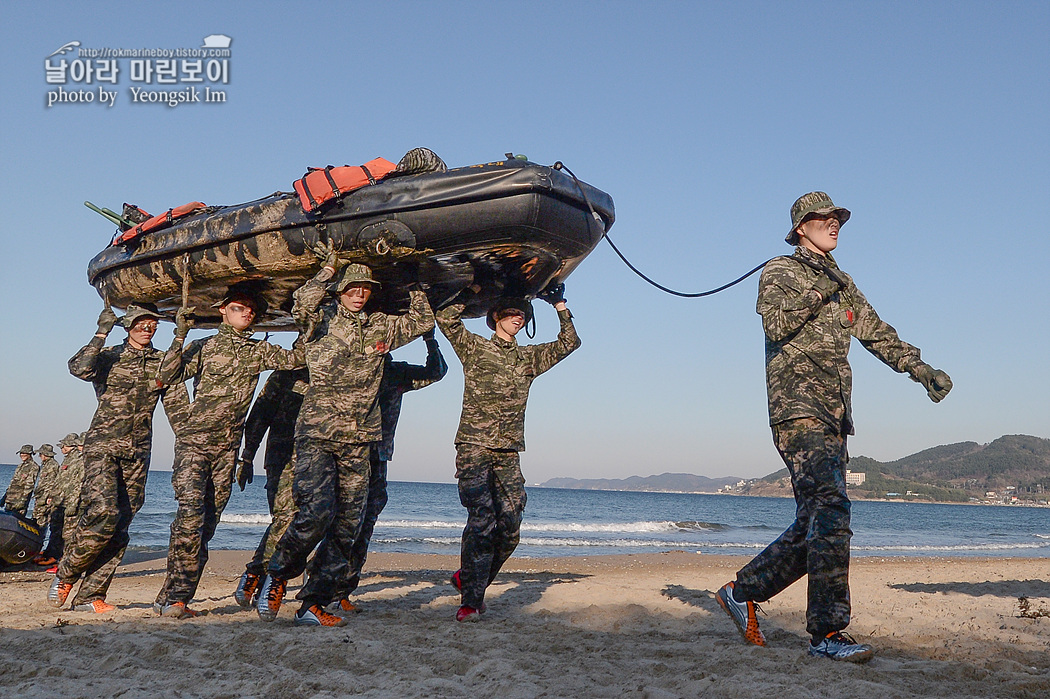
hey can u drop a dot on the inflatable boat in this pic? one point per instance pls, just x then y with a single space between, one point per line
511 226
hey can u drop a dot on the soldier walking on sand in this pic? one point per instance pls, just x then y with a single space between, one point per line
274 414
45 500
810 311
67 495
23 481
339 419
497 374
225 369
116 452
398 379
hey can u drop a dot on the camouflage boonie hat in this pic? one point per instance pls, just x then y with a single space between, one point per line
813 203
70 440
46 450
508 303
83 438
27 449
246 292
354 274
139 310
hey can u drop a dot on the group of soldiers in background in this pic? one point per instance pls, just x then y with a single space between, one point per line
331 407
54 489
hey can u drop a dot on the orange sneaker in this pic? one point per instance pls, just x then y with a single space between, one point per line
98 606
58 593
271 594
743 614
344 606
247 586
178 610
314 615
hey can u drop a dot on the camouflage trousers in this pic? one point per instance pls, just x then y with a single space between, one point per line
114 490
202 478
492 489
70 521
817 542
349 575
56 531
330 490
282 512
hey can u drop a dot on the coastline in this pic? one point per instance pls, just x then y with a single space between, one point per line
617 625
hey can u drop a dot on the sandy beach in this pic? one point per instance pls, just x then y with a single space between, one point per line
599 626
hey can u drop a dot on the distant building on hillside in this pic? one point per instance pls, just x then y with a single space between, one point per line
855 478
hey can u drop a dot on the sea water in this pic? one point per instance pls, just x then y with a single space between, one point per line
428 518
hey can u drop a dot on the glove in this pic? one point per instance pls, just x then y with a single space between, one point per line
245 472
937 382
106 320
327 254
553 294
826 287
183 321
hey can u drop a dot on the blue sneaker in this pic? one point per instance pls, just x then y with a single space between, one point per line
841 646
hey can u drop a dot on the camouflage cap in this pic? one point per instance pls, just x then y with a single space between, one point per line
139 310
246 292
817 203
354 273
505 304
27 449
70 440
83 438
46 450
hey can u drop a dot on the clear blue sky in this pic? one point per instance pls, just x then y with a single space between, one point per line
704 121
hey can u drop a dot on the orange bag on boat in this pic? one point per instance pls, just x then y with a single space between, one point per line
159 221
323 184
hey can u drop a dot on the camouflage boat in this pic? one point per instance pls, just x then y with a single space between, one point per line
512 226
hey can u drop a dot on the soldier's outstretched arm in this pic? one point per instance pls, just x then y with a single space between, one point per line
307 298
418 320
84 364
548 354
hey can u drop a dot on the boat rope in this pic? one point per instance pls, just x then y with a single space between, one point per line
597 217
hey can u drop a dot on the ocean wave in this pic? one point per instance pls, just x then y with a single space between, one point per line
951 547
645 527
228 518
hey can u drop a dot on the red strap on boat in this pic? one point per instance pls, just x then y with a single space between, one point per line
159 221
321 185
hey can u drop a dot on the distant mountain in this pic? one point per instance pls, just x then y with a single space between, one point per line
664 483
953 472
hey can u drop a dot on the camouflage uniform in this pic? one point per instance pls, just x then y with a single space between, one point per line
225 369
116 457
339 419
809 382
497 376
45 493
23 481
276 409
70 481
398 379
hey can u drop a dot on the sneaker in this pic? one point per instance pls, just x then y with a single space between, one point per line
98 606
58 592
344 606
158 608
271 594
53 570
841 646
246 589
743 614
457 581
178 610
314 615
467 613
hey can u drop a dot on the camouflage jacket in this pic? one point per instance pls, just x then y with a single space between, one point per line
497 375
46 492
70 480
807 342
398 379
225 369
20 489
276 409
345 354
128 387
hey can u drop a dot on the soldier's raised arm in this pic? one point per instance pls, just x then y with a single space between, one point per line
84 363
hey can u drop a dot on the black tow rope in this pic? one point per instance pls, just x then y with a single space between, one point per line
597 217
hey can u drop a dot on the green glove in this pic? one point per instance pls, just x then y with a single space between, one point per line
826 287
326 253
937 382
183 321
106 320
245 472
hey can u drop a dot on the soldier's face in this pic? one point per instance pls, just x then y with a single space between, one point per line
25 457
355 296
141 333
821 235
510 325
66 450
239 315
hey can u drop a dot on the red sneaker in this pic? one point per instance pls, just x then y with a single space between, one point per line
467 613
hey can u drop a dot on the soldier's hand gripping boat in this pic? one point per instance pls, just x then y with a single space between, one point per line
512 226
